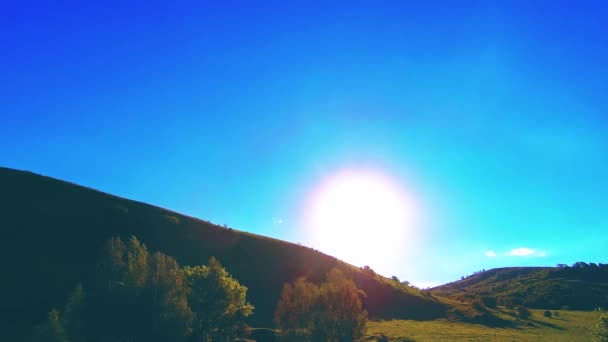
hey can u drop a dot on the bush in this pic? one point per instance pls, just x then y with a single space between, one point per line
140 296
218 300
330 312
547 313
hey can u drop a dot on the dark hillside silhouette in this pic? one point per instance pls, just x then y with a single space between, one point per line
52 232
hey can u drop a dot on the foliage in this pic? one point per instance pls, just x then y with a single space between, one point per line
69 325
547 313
599 329
148 297
329 312
295 312
218 301
74 315
342 315
53 330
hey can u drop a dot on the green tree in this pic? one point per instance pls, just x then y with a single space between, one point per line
599 329
295 312
53 331
146 297
218 301
330 312
136 263
115 256
342 315
74 315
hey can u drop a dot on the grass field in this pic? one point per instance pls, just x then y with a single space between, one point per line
569 326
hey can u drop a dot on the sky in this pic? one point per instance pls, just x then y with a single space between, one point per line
492 116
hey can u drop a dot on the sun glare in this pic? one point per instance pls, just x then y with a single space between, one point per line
363 218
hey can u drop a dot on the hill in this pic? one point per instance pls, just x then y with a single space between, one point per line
53 231
563 326
580 287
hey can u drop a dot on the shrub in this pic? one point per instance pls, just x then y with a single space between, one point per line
330 312
140 296
218 301
295 311
547 313
53 330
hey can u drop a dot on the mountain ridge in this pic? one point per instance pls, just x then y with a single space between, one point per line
581 286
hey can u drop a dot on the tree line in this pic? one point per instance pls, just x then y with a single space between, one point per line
144 296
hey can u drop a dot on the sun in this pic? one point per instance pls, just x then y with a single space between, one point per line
361 217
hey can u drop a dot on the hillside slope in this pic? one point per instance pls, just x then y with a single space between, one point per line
581 287
54 231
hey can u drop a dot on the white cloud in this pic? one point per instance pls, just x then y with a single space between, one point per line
525 252
277 221
491 254
522 251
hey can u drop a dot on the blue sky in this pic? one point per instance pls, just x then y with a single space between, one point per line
492 114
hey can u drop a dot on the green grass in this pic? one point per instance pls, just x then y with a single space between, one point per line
569 326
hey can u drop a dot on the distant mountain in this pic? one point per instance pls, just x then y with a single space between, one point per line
579 287
53 233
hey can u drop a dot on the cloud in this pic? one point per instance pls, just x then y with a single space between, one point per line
525 252
277 221
490 254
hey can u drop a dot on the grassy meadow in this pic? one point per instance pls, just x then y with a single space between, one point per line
568 326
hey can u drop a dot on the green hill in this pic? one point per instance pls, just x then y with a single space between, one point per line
53 231
580 287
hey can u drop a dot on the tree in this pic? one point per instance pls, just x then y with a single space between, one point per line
218 301
74 315
330 312
53 330
343 317
599 330
296 309
145 297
